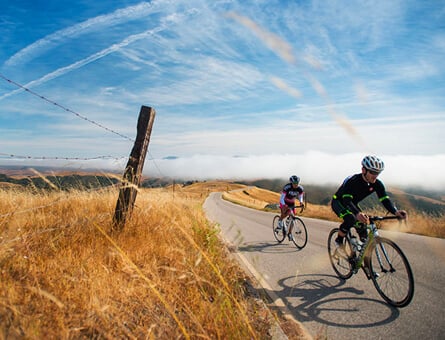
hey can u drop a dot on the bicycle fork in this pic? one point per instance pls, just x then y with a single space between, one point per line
362 261
382 260
388 261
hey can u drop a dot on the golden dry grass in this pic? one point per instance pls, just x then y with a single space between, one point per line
417 223
166 275
252 197
63 275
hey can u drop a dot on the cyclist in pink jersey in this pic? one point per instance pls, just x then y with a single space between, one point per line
289 195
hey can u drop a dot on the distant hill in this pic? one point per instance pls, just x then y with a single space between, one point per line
432 203
59 182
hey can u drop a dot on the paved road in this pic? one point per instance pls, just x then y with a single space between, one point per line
304 284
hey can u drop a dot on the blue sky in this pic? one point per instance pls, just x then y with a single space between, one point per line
241 89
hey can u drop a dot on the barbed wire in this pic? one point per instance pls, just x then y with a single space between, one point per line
64 108
61 158
78 115
7 155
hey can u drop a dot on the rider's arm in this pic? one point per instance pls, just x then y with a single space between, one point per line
393 210
387 203
283 194
301 194
384 198
345 194
349 204
300 198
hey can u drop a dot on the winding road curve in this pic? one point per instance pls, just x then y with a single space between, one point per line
302 282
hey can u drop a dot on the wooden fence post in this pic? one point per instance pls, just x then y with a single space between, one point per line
133 171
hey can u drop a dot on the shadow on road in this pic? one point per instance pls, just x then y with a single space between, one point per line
327 300
320 298
269 247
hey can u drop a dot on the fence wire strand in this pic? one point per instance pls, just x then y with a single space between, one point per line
64 108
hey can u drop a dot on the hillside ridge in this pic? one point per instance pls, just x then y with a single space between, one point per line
426 202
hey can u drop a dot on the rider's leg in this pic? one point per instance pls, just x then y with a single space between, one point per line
284 212
362 232
348 219
348 222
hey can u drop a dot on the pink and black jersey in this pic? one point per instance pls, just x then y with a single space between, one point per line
289 194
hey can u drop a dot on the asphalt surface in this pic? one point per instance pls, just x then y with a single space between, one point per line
303 283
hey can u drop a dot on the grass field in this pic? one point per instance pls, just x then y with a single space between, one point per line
65 275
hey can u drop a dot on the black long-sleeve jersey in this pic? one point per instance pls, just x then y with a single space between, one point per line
354 189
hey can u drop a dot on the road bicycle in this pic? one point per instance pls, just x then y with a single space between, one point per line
381 259
293 227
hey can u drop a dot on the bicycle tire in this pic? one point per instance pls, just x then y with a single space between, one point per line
394 280
279 234
340 260
299 233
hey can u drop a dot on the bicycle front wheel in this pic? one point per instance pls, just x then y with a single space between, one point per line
299 233
340 257
278 232
391 272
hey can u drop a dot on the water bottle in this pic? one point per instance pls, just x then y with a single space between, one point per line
285 225
355 243
360 256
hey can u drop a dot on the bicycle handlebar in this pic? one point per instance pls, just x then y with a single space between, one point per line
291 212
381 218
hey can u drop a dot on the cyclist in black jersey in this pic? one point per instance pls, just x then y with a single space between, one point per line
354 189
289 194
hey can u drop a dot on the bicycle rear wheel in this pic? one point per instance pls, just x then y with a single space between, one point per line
340 258
391 273
299 233
278 232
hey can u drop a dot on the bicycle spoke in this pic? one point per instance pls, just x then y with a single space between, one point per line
278 233
392 275
340 259
299 233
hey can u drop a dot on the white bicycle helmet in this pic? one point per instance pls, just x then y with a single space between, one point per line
294 179
373 163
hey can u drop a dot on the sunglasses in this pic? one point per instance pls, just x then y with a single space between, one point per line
375 173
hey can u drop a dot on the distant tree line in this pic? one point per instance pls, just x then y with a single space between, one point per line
315 194
321 195
68 182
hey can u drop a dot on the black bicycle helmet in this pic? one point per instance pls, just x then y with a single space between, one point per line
373 163
294 179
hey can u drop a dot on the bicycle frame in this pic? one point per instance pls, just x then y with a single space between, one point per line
363 257
293 227
381 259
292 216
293 211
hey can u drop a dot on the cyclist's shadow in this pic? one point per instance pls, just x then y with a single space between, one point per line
268 247
319 303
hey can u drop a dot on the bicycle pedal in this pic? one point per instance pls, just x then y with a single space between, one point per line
335 256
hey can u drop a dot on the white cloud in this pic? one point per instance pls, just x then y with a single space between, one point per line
213 83
100 22
313 167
